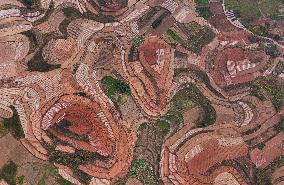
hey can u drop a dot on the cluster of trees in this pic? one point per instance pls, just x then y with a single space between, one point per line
263 176
188 98
274 89
133 53
31 3
203 8
8 172
143 171
73 161
13 125
199 37
115 89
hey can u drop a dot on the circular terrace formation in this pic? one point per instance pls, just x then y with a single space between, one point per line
150 72
203 156
234 65
85 140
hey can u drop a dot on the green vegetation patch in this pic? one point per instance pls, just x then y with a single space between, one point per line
133 53
269 8
198 38
143 171
51 171
174 36
279 68
163 126
73 161
233 5
28 2
263 176
8 173
33 40
202 7
38 64
256 91
271 50
189 97
13 124
31 3
20 180
71 12
249 10
204 12
159 20
260 30
260 146
115 89
280 126
274 89
3 130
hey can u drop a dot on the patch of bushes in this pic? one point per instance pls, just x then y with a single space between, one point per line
159 21
70 12
174 36
38 64
274 89
279 68
189 97
203 9
115 89
13 124
3 130
32 39
74 160
262 177
133 53
8 173
256 91
205 12
198 40
260 30
260 146
143 171
271 50
20 180
163 126
280 126
51 171
199 37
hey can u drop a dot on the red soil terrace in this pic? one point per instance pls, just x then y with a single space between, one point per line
106 136
155 57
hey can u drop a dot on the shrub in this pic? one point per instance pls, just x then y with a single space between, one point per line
13 124
260 30
143 171
20 180
115 88
274 89
163 126
272 50
70 11
260 146
189 97
8 173
262 177
280 126
205 12
174 36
